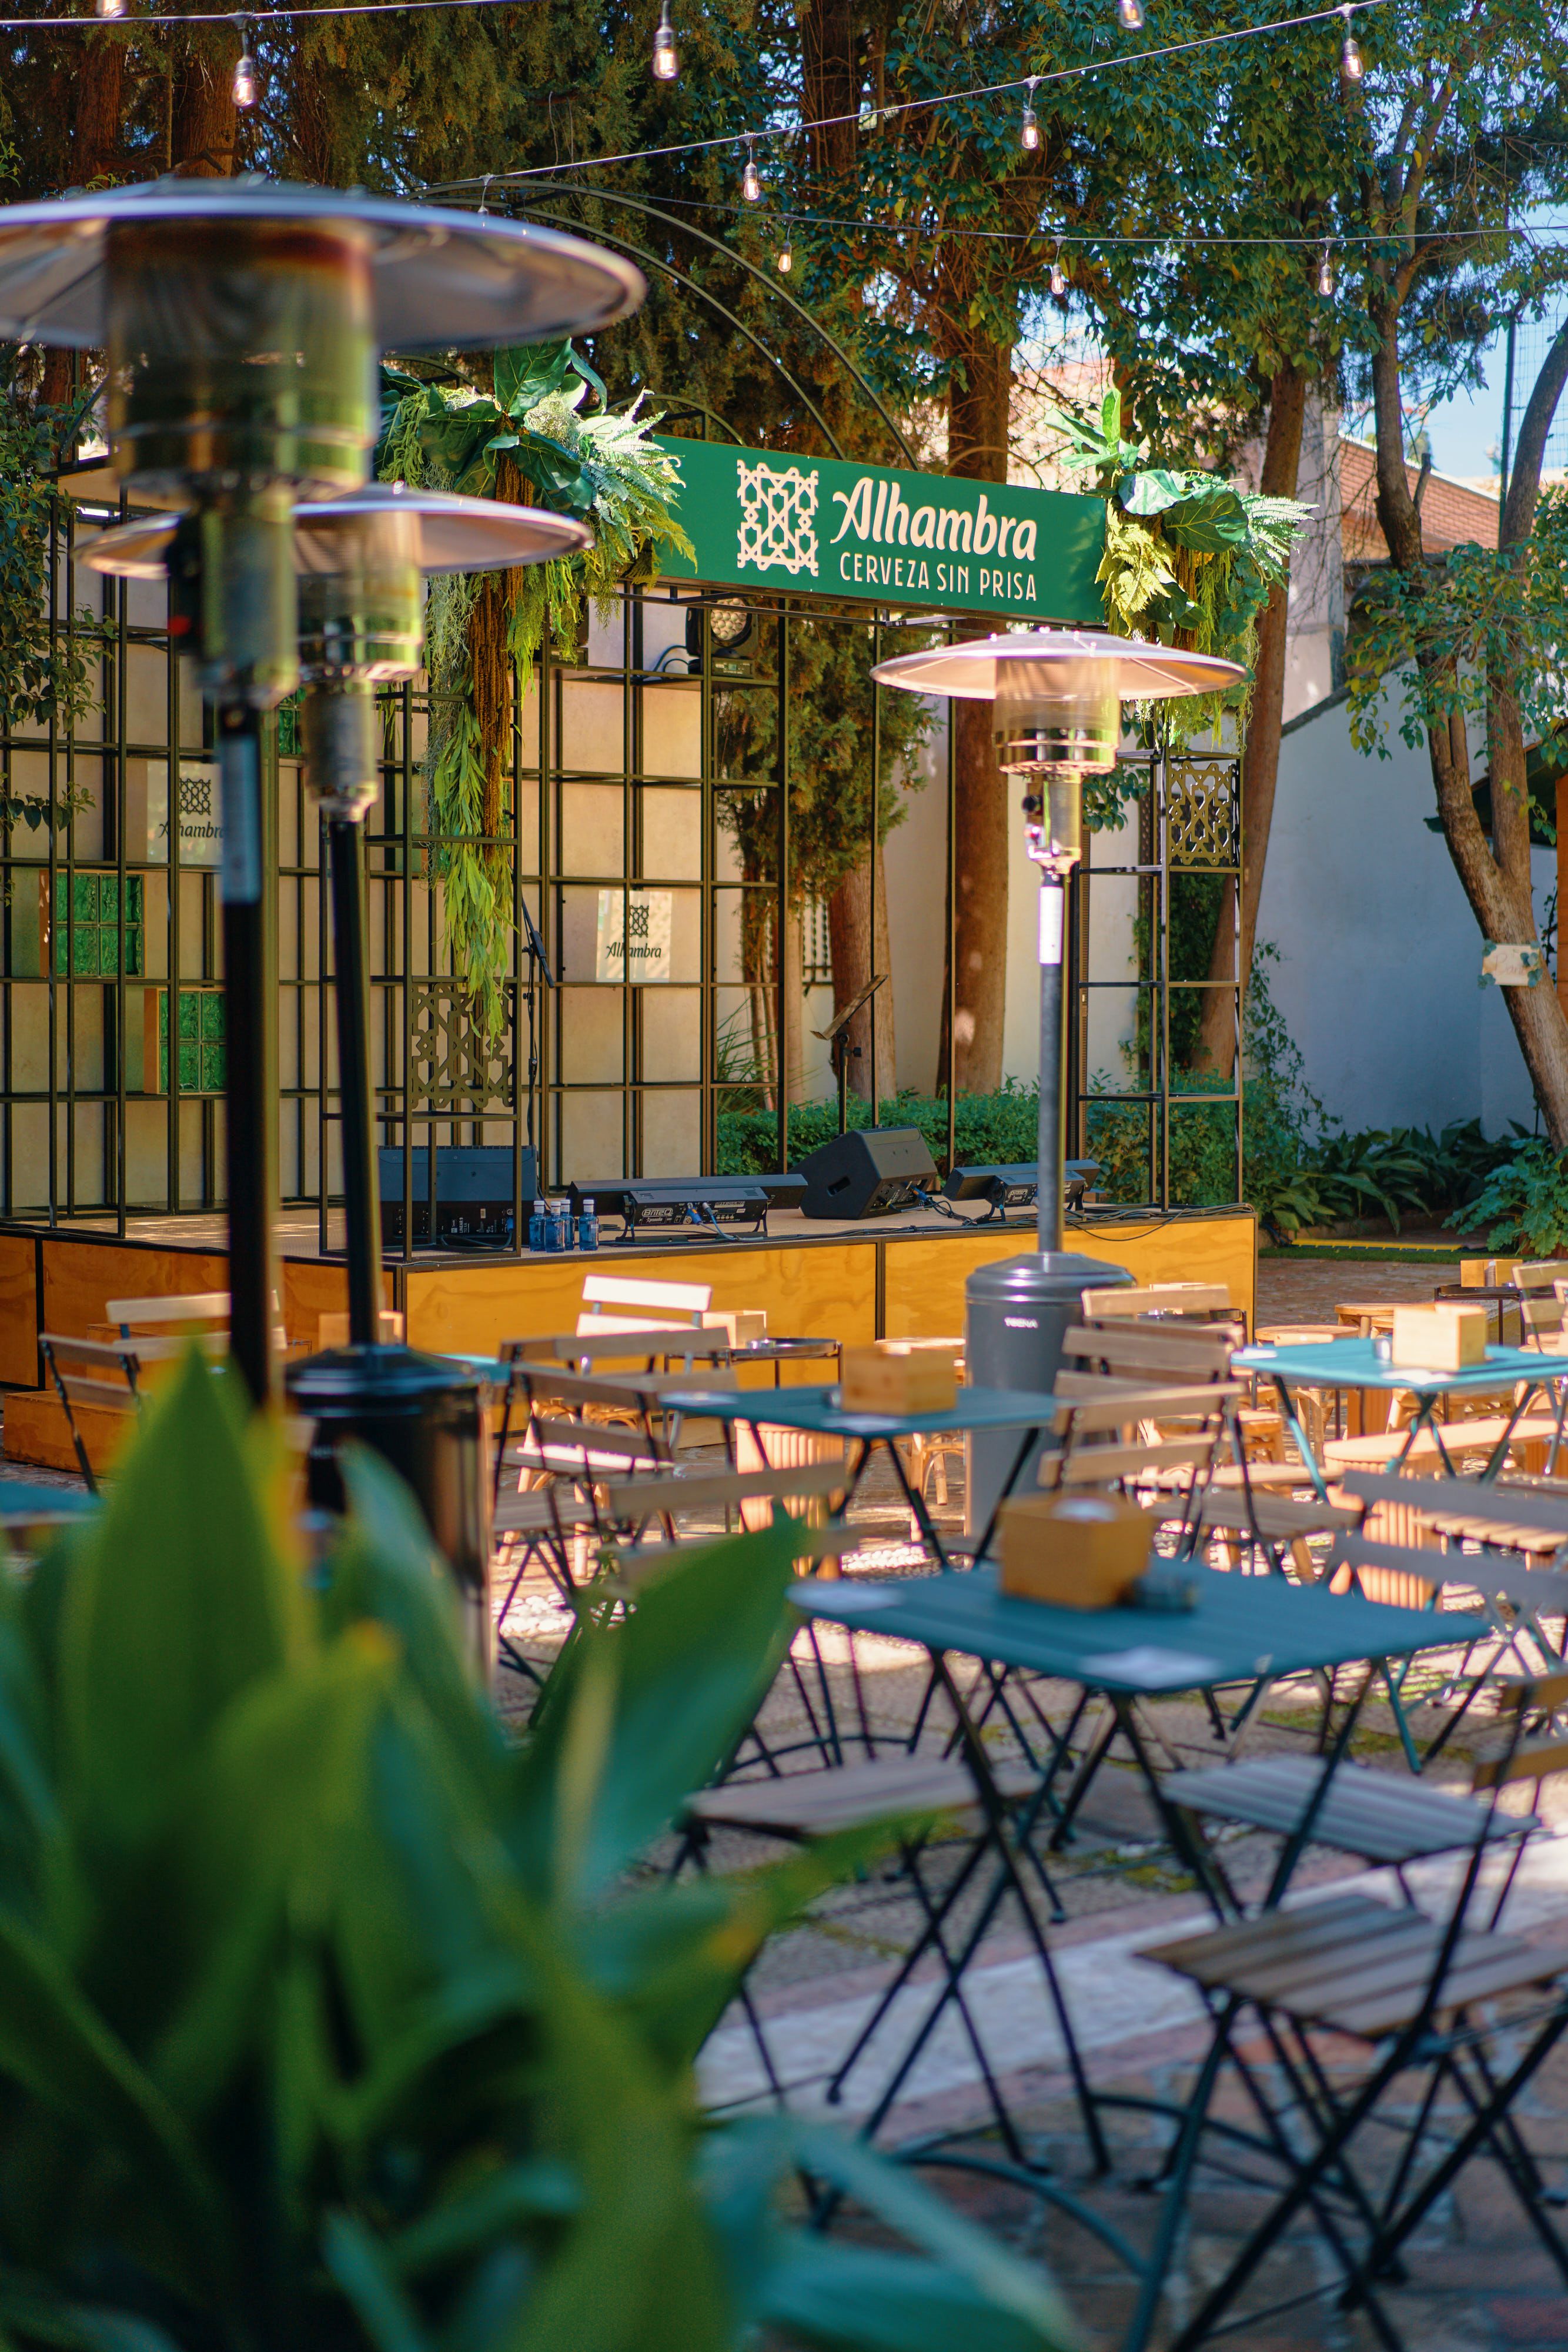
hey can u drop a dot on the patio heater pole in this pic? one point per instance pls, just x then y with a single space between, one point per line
1057 717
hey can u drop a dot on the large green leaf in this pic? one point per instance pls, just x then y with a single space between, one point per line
958 2286
673 1956
641 1712
256 1851
179 1598
56 2047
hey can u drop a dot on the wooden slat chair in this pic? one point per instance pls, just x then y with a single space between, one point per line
164 1328
1354 1996
917 1794
97 1373
633 1530
1476 1424
1143 1408
613 1302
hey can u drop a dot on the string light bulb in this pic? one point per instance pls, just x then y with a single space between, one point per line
665 65
1130 16
1325 273
1351 67
1058 278
110 7
1029 126
785 255
244 73
751 179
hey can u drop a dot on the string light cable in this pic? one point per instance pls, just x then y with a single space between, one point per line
887 113
118 12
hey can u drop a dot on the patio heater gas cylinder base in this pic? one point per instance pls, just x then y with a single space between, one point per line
423 1417
1016 1312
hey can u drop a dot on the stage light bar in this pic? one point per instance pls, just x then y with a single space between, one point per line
1015 1185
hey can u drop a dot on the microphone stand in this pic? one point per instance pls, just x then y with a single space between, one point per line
539 966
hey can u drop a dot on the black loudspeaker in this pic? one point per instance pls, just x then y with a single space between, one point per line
867 1174
473 1193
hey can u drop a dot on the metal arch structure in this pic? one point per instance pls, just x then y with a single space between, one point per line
106 1101
560 191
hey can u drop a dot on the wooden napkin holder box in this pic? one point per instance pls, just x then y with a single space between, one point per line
1445 1338
1081 1551
898 1377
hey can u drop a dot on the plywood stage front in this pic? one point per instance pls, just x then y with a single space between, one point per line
858 1282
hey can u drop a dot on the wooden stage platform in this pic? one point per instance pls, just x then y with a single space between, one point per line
901 1277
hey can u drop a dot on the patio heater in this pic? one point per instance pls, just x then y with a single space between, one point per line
1056 697
240 321
360 563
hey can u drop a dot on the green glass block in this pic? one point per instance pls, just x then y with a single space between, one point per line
190 1068
213 1023
84 898
134 908
133 963
190 1014
213 1069
108 949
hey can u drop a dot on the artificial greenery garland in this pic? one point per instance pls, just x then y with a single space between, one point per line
526 444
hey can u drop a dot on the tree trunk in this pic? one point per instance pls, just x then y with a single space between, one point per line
95 150
830 81
970 1060
1260 753
1497 887
204 120
856 961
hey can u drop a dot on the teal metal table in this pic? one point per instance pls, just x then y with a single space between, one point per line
1356 1364
1241 1630
819 1412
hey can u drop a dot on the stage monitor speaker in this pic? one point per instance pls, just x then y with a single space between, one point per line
473 1194
869 1172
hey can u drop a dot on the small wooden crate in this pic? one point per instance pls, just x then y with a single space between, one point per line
1082 1551
898 1376
1445 1338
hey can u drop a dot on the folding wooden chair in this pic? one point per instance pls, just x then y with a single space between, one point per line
1353 1997
95 1373
1143 1408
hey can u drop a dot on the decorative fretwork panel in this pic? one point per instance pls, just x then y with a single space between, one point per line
1203 810
454 1066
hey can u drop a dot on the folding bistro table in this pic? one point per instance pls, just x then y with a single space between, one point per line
1356 1364
1240 1630
819 1412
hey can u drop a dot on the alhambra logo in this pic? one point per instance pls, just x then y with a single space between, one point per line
778 518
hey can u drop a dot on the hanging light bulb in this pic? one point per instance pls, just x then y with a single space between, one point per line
244 73
1028 128
110 7
667 59
1130 16
1058 278
786 257
1350 67
1325 273
751 179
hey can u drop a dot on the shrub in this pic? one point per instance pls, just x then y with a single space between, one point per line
1524 1202
327 2020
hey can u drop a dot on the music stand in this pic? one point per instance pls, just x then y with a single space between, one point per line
834 1038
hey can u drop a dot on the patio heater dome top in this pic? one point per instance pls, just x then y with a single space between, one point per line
439 280
446 534
1037 665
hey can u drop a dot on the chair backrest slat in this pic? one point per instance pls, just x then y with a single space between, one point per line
1529 1693
687 1300
647 1497
1481 1505
686 1341
598 1439
1158 1298
195 1306
1532 1760
1091 1466
1151 1347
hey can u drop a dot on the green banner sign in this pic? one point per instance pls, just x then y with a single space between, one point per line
820 526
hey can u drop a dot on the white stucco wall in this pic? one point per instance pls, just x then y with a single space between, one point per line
1379 971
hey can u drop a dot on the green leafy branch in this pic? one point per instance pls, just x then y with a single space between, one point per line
526 439
1477 616
1189 561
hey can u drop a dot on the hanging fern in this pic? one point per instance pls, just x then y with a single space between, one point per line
1189 561
528 444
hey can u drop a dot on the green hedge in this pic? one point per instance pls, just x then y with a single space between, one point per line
989 1128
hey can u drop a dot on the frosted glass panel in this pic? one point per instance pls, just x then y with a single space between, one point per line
591 1036
672 835
671 730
